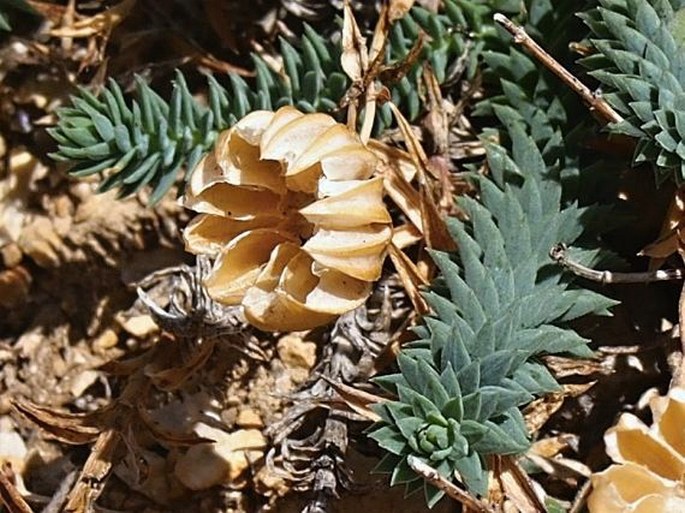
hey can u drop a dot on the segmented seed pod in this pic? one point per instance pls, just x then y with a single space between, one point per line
650 462
290 210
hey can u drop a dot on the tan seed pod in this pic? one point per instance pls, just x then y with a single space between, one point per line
289 207
649 468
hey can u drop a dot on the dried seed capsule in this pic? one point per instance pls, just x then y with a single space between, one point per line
289 207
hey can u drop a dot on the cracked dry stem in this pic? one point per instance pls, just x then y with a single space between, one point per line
594 102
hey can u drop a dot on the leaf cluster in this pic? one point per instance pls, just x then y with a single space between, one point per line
556 118
640 63
498 306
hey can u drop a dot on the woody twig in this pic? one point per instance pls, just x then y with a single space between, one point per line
594 102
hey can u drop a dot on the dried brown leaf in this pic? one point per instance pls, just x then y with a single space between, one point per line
395 157
378 43
392 73
403 194
51 12
398 8
563 367
128 366
517 487
435 229
355 56
550 447
566 469
95 472
359 401
70 428
663 247
416 151
411 278
671 235
539 411
433 223
418 206
172 378
436 121
406 235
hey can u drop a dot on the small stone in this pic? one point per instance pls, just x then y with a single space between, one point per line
40 241
82 382
107 340
249 418
82 190
11 254
14 286
298 376
200 468
296 353
64 207
28 343
157 482
139 326
269 484
224 462
12 447
62 226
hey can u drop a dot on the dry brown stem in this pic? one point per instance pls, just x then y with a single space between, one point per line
597 105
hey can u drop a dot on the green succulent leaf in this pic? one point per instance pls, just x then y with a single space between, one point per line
472 473
432 495
450 381
389 439
502 437
402 473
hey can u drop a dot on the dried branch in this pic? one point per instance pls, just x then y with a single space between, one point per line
558 254
594 101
